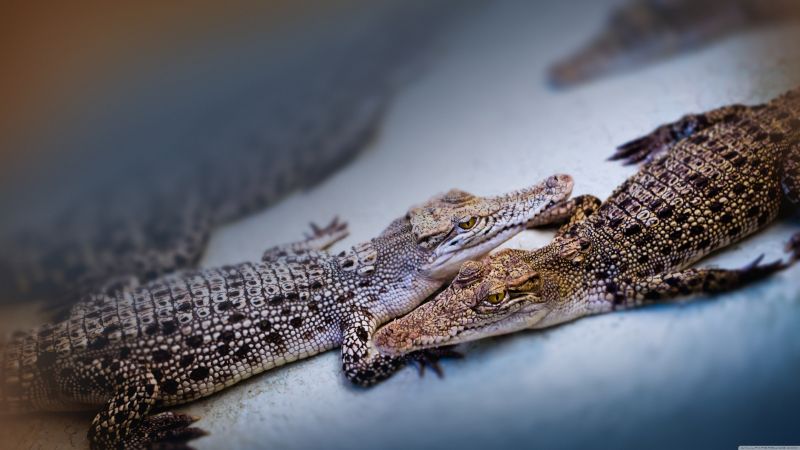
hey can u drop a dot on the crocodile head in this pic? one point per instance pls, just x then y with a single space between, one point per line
505 292
458 226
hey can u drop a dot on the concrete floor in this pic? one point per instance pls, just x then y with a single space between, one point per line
713 373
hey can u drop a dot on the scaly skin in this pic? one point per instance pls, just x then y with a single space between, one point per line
712 179
642 31
186 336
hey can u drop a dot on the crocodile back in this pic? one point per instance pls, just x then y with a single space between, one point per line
708 191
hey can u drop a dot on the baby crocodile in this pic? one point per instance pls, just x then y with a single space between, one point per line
188 335
711 180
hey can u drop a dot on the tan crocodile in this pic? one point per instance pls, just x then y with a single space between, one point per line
709 181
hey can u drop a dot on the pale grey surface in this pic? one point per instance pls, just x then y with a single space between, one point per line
713 373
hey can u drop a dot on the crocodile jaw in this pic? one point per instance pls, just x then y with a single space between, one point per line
430 326
510 215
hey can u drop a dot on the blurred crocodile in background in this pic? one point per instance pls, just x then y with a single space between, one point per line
643 31
124 203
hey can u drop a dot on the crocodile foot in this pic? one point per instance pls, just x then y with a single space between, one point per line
642 149
167 431
756 271
431 357
329 234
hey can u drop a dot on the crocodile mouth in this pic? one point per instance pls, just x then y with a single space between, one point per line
449 245
444 254
517 211
408 334
398 347
450 248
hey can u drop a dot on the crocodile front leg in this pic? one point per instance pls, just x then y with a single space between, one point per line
663 138
365 366
320 239
567 212
581 208
362 363
125 423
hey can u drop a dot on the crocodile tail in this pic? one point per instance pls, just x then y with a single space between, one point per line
789 100
643 31
4 349
11 357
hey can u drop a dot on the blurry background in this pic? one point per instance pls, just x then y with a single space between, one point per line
261 117
148 128
61 60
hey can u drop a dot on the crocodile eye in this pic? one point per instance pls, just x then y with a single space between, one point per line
467 224
496 298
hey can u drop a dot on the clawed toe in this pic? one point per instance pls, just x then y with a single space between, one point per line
321 238
754 264
755 270
793 247
642 149
632 151
169 430
636 151
335 227
431 358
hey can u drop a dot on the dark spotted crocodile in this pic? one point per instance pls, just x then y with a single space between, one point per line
188 335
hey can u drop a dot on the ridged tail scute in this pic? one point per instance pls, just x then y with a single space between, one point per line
12 398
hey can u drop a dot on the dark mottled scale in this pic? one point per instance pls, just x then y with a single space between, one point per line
198 333
704 193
